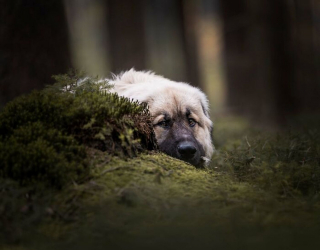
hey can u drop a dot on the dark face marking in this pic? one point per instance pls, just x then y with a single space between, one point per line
177 137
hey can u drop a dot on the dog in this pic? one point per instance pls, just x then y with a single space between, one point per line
179 111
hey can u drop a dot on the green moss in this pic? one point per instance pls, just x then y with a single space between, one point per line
46 138
87 112
156 198
42 135
35 155
286 164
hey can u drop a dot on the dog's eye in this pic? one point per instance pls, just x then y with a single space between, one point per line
163 124
192 122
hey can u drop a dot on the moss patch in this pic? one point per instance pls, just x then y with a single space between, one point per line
43 135
47 137
155 201
287 164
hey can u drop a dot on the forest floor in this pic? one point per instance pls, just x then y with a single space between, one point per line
260 192
79 169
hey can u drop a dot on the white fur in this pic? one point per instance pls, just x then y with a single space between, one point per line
143 81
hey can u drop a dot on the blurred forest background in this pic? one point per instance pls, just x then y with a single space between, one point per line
257 59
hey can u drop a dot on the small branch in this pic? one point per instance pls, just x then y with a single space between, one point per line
248 142
112 169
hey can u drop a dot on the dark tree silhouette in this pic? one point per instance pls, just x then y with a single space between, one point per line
127 35
270 59
33 45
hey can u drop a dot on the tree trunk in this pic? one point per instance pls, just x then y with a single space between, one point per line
127 34
270 59
171 39
33 45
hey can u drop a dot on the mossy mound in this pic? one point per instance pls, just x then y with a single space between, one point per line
44 135
46 140
35 154
155 201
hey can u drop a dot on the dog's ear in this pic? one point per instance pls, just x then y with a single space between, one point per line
205 109
211 134
147 99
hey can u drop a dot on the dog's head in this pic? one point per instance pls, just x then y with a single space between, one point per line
181 124
180 114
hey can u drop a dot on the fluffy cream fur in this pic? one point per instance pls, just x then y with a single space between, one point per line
162 94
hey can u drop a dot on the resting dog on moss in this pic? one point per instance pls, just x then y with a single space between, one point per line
180 113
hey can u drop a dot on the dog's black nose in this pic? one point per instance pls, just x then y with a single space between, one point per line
187 149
